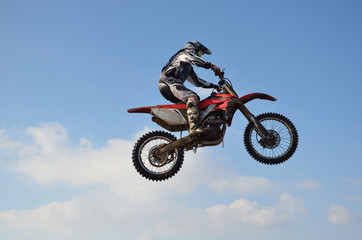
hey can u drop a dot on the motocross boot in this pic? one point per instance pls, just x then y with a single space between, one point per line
193 114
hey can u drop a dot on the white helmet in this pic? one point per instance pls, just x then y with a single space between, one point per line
198 47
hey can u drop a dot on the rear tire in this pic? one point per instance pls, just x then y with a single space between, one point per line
152 167
277 150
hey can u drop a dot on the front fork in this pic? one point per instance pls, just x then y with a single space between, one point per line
241 106
258 126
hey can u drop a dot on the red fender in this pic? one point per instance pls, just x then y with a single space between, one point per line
252 96
140 110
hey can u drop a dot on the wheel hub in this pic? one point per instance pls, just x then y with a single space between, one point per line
272 141
161 160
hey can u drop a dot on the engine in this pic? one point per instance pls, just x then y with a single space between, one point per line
214 129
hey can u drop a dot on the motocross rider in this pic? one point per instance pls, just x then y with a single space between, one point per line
177 71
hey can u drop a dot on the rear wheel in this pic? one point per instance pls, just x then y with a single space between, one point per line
282 141
150 166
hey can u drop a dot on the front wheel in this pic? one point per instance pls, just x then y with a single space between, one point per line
281 143
150 166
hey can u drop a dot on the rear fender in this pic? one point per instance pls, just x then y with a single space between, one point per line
140 110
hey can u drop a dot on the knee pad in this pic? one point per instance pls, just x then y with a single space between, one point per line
192 101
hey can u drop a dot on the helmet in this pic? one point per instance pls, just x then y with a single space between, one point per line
198 47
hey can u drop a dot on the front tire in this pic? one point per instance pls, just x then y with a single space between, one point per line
280 147
148 164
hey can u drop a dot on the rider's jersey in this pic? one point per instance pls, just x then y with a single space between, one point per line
179 69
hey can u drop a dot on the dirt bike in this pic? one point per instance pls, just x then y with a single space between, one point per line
270 138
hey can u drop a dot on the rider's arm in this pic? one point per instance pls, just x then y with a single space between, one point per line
198 82
198 61
195 60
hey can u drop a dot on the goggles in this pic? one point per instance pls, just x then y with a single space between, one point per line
200 53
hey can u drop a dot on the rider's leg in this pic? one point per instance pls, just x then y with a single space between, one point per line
193 113
166 92
192 102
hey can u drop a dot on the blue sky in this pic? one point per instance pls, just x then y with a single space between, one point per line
69 70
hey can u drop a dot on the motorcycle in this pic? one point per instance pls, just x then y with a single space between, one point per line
270 138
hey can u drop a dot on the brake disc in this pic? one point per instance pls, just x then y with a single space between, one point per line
161 160
271 142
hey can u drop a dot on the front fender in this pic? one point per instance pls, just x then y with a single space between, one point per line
248 98
252 96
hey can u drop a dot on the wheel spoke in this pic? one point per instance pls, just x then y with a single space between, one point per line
150 162
280 144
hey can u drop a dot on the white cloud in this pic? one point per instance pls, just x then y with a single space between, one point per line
144 236
309 185
7 145
50 138
85 215
53 216
338 214
49 158
117 198
244 211
241 184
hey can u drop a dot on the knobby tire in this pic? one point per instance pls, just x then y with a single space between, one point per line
270 155
143 164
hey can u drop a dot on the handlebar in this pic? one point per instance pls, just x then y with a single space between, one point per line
221 76
225 84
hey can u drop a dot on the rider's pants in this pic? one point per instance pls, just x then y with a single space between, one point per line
178 93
